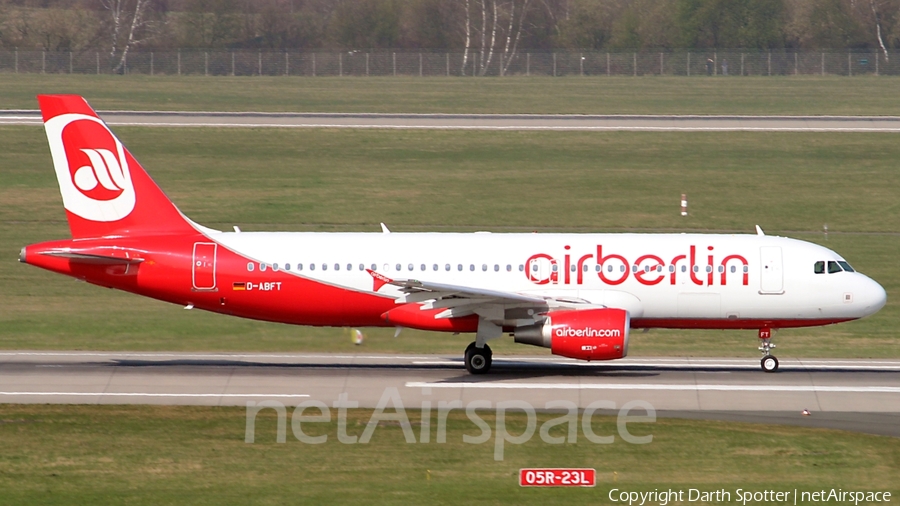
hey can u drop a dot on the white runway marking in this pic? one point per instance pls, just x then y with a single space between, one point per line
140 394
649 386
189 356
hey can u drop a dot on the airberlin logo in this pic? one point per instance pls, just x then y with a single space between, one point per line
614 269
586 332
91 168
104 172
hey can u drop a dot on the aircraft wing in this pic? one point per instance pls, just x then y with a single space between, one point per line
458 301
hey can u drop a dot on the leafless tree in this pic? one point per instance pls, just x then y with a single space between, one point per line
877 18
130 27
499 22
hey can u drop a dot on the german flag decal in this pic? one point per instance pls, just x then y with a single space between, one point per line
238 286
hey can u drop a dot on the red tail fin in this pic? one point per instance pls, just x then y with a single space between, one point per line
104 189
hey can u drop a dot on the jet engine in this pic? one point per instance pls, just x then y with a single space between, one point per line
589 334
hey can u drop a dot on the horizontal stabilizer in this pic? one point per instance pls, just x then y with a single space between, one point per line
90 258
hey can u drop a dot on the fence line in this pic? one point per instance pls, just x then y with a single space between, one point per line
390 63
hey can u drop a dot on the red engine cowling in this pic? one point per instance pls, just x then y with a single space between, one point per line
590 334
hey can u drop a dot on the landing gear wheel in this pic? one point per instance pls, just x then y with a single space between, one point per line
769 363
478 360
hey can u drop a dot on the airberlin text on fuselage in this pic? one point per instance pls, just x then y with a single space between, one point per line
647 269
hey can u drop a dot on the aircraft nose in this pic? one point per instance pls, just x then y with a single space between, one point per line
872 296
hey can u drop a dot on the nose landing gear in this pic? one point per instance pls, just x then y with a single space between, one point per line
768 363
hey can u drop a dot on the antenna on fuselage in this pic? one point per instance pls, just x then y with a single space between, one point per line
385 229
759 231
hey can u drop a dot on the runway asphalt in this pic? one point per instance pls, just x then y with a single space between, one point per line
649 123
860 395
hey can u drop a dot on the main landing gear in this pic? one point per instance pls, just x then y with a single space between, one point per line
768 363
478 360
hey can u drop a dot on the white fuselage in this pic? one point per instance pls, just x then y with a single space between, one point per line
662 278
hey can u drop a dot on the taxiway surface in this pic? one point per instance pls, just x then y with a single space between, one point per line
861 395
649 123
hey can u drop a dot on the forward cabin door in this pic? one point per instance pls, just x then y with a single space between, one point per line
771 277
203 271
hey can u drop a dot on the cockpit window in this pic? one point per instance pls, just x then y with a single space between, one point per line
819 268
846 266
833 267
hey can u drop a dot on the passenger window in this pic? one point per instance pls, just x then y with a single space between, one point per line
833 267
684 268
484 267
533 267
598 268
671 268
250 266
472 267
399 267
746 269
410 267
324 267
422 267
721 268
496 268
287 267
733 269
521 268
447 267
312 267
659 268
363 267
275 267
508 268
374 267
846 266
696 269
299 267
262 267
434 267
337 267
708 268
350 267
819 267
459 267
555 268
584 268
572 268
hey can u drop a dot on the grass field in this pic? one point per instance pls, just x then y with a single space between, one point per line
868 95
179 455
790 184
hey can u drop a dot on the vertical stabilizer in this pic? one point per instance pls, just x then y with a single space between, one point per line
105 190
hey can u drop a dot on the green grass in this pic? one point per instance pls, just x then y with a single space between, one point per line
178 455
867 95
267 179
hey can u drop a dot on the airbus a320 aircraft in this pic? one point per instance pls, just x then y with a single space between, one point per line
577 294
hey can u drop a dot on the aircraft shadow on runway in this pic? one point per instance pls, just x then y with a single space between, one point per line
507 369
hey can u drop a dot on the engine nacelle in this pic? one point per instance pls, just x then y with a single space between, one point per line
590 334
